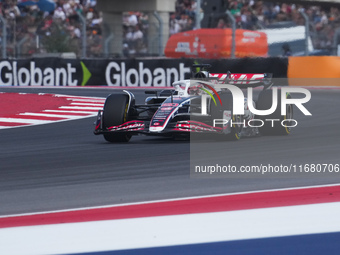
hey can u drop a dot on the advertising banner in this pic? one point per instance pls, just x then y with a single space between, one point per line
160 72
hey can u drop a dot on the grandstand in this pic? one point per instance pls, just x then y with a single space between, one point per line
29 29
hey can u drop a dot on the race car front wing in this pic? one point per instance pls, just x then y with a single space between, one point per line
142 126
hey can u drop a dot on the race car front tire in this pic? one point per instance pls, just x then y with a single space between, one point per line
115 113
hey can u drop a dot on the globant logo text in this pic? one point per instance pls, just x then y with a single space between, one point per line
117 74
12 75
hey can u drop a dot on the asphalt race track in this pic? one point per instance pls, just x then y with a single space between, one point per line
63 165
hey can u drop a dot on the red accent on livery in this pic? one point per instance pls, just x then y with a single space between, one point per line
129 126
239 78
195 126
215 92
163 114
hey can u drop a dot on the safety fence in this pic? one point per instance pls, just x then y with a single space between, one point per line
85 34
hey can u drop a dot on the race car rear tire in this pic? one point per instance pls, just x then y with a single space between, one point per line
264 102
116 113
217 111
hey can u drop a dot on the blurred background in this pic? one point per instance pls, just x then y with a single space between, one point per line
110 28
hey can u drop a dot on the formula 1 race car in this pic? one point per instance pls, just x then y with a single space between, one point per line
208 103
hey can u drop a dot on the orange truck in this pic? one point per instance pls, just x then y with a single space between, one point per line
216 43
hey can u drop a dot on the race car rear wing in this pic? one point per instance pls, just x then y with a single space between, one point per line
241 80
244 80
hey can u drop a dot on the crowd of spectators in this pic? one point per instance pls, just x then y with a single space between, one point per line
183 19
253 15
260 14
135 29
30 30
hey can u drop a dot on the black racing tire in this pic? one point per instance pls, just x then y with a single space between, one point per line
116 113
264 102
227 105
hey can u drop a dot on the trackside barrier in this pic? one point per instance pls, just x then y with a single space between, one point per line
159 72
314 71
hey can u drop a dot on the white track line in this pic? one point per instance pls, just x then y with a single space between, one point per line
87 100
25 121
53 115
80 97
172 200
88 104
5 127
80 108
66 111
